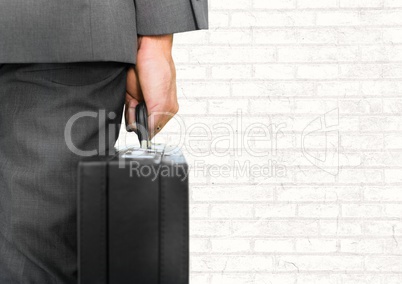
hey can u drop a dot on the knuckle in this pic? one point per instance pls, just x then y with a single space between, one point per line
172 107
175 108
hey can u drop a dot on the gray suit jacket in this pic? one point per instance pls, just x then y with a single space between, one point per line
51 31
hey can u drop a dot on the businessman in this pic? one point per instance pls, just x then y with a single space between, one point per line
58 59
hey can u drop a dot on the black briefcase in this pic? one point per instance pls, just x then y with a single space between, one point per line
133 218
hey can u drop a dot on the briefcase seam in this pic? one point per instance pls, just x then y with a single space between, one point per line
81 221
184 238
162 229
103 228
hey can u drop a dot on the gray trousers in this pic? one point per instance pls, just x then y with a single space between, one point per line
38 234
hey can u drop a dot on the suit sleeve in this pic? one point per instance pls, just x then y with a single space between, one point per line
157 17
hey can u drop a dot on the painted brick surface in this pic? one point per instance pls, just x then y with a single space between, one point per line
292 126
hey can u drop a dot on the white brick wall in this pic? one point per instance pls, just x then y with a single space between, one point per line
332 211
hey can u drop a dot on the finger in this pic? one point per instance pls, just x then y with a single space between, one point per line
130 114
133 87
133 97
157 121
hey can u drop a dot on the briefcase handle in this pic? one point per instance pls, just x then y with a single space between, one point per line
141 118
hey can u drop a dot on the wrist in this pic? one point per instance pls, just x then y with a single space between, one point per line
155 47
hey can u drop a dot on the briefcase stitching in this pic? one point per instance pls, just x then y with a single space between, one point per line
162 230
104 228
81 235
185 236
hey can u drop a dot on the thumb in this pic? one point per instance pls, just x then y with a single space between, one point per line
133 97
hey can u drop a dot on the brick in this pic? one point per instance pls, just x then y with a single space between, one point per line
275 245
393 141
318 35
317 54
318 193
362 141
233 193
199 279
232 211
230 245
274 71
230 4
273 90
271 106
382 228
359 35
361 3
383 53
338 89
275 36
231 263
317 263
218 19
362 210
191 72
188 90
361 246
338 18
382 193
391 35
383 263
316 245
275 228
257 278
393 175
231 72
232 54
361 71
381 17
231 37
183 39
272 19
318 211
274 4
392 3
317 71
199 210
393 106
275 210
363 106
317 4
200 245
340 228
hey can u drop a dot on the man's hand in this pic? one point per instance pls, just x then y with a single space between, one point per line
154 81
